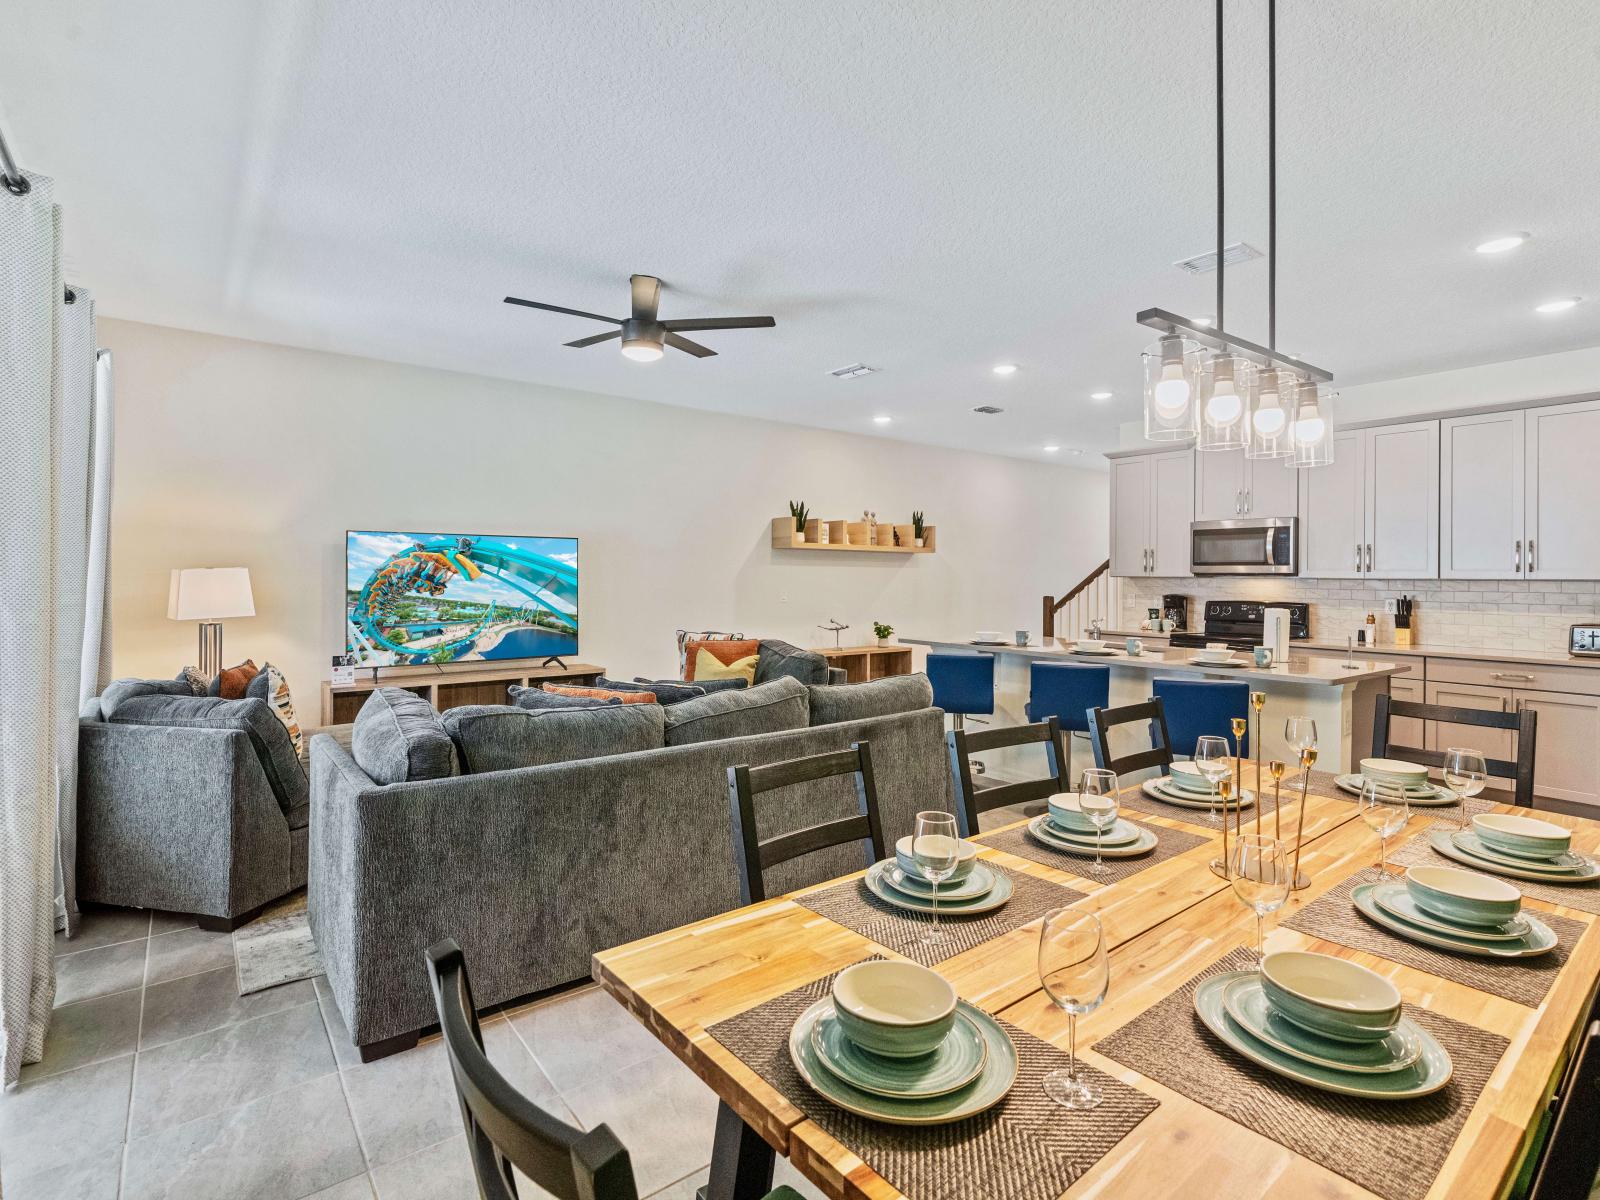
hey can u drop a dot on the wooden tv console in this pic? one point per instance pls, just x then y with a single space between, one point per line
448 686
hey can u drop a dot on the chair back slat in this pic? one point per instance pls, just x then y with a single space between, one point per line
1524 723
753 855
504 1128
971 800
1571 1157
1148 712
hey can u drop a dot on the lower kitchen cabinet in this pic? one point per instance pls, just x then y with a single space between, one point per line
1408 731
1565 766
1493 743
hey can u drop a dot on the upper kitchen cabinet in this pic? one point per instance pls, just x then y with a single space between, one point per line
1373 513
1333 512
1152 506
1229 485
1562 492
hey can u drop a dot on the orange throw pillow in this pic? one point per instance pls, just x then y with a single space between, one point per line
236 679
721 660
602 694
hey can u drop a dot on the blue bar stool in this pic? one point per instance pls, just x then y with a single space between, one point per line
963 685
1196 707
1067 691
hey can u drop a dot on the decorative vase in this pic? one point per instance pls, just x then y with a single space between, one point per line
920 541
886 641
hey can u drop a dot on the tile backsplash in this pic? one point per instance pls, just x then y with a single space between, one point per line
1494 614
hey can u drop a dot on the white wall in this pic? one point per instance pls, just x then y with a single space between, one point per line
236 453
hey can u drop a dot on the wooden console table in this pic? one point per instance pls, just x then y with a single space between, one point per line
862 663
448 686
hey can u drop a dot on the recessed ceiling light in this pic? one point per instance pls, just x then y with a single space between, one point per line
1558 306
1051 449
1075 450
881 420
1099 395
1499 245
1005 368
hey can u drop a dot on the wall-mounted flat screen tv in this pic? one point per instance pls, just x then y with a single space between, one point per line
417 598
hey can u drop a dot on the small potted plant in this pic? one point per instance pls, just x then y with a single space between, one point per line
800 513
884 633
918 528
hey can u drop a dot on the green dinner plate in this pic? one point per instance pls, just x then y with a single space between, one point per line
1246 1002
1540 938
1123 833
1041 828
1560 864
1440 840
978 883
999 1073
1396 900
1159 789
957 1062
880 887
1428 796
1428 1074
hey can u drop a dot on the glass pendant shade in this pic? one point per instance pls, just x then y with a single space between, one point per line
1171 388
1311 430
1267 430
1227 394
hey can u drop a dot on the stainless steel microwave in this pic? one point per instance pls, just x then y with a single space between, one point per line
1253 546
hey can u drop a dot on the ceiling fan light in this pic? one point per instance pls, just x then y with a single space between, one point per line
1171 372
642 349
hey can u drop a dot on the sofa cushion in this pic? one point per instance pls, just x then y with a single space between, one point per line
399 737
120 690
268 737
602 695
771 708
721 660
878 698
778 659
532 697
494 737
668 691
702 687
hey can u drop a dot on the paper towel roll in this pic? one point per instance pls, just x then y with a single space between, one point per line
1275 633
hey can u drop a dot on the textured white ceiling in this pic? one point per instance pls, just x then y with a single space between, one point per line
929 187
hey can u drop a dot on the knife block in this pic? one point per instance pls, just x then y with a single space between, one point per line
1402 637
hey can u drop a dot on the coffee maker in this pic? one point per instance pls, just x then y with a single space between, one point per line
1175 608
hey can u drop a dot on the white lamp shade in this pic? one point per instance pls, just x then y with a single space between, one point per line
210 594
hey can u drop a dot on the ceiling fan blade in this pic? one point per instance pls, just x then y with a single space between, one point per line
572 312
646 296
688 347
594 340
721 323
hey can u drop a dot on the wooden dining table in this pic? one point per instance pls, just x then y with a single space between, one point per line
1163 925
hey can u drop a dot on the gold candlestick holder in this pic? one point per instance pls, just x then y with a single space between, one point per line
1276 768
1219 866
1308 759
1232 793
1258 701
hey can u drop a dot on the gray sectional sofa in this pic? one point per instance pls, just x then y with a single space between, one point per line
618 827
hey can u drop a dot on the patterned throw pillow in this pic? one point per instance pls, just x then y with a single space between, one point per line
233 681
197 680
685 636
722 660
602 694
269 684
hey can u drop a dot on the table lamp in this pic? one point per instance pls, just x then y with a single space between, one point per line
208 594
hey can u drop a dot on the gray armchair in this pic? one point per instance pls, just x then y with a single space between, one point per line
188 803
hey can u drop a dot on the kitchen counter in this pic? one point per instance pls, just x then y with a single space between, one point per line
1542 658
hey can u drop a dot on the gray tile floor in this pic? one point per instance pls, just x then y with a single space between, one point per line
160 1081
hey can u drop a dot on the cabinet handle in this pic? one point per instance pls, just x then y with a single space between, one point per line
1358 558
1369 556
1247 501
1238 503
1518 559
1519 676
1530 556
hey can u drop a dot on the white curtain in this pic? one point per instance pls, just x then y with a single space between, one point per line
47 465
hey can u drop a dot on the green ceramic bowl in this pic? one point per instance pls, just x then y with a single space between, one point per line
968 855
897 1009
1463 897
1064 811
1330 996
1521 835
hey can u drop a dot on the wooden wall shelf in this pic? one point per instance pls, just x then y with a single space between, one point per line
448 686
863 663
784 537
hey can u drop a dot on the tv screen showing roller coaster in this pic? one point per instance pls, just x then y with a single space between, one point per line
451 597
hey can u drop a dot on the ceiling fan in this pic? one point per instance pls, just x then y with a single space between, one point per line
643 336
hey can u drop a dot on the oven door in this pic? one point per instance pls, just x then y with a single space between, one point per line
1255 546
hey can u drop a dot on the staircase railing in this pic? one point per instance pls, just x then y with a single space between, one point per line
1098 597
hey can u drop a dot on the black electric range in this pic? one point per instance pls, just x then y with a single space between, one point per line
1239 623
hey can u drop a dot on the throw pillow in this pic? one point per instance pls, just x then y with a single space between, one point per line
703 686
601 694
668 691
232 682
831 703
685 636
780 658
399 737
774 707
197 680
497 737
536 698
722 660
276 694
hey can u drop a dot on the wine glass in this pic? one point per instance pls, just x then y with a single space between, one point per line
1386 814
1097 801
935 848
1076 971
1260 880
1300 733
1465 774
1211 760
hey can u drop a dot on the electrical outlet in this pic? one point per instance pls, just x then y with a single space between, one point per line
1389 606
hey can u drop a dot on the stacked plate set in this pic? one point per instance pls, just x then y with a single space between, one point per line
1326 1022
1452 909
1521 847
976 887
1187 788
893 1042
1395 778
1068 828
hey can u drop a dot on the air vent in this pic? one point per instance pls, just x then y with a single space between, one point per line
854 371
988 410
1232 255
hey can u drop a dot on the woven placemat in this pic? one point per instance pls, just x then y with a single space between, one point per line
1027 1147
853 906
1024 844
1524 980
1392 1147
1321 784
1585 897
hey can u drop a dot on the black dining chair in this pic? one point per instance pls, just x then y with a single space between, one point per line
753 854
505 1129
1149 712
1571 1160
972 801
1524 723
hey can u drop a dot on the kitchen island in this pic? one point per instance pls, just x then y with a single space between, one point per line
1340 697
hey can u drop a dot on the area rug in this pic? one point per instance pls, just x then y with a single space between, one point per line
276 947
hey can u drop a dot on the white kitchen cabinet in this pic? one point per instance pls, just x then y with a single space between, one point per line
1481 469
1273 489
1562 480
1568 730
1402 501
1152 506
1333 512
1228 486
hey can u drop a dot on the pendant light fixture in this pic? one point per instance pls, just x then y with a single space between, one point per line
1220 389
